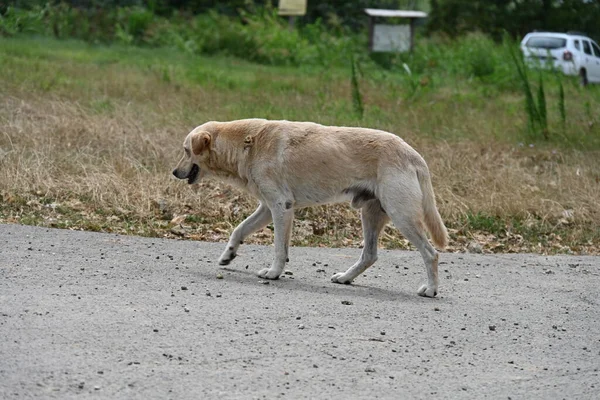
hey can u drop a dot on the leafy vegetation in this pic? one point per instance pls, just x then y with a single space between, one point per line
90 130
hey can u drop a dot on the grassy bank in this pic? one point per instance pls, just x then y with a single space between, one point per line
90 133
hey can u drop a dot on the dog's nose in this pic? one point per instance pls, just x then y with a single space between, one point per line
175 173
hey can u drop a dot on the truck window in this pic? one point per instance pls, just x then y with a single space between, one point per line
586 47
596 49
546 42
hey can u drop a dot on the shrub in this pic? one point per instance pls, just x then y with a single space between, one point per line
132 24
260 36
16 21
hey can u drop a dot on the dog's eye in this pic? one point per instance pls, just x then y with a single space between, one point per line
187 152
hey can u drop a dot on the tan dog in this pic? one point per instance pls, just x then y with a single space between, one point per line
289 165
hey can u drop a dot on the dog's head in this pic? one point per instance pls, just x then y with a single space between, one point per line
196 147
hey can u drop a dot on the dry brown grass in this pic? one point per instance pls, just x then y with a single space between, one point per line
98 156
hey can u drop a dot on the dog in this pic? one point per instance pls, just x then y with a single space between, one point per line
288 165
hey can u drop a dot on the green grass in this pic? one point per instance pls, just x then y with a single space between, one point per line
103 125
436 81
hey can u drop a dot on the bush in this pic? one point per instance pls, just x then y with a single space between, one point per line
132 24
16 21
259 36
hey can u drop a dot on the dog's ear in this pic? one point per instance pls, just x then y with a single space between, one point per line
200 141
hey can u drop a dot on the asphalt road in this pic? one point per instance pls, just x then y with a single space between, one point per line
90 315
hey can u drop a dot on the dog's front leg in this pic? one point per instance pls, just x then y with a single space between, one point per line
258 220
283 218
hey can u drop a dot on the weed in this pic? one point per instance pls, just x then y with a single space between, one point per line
542 112
536 112
483 222
357 102
195 219
562 111
412 81
102 105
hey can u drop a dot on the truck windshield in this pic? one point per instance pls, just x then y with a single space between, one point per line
545 42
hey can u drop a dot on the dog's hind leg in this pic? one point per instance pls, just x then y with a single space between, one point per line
283 219
415 233
403 204
257 220
373 220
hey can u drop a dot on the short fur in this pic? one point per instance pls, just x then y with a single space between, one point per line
288 165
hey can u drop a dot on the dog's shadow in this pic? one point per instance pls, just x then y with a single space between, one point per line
248 277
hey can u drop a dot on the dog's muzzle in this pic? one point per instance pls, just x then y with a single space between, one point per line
191 176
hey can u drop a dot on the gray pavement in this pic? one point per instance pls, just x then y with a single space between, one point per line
91 315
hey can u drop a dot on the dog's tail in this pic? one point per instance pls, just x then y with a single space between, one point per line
433 220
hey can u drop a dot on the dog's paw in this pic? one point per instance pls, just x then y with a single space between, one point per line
268 273
426 291
340 278
226 260
227 256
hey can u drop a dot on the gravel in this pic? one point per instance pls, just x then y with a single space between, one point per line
75 303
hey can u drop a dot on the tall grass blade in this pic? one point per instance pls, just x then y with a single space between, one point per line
357 102
541 109
561 105
530 107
